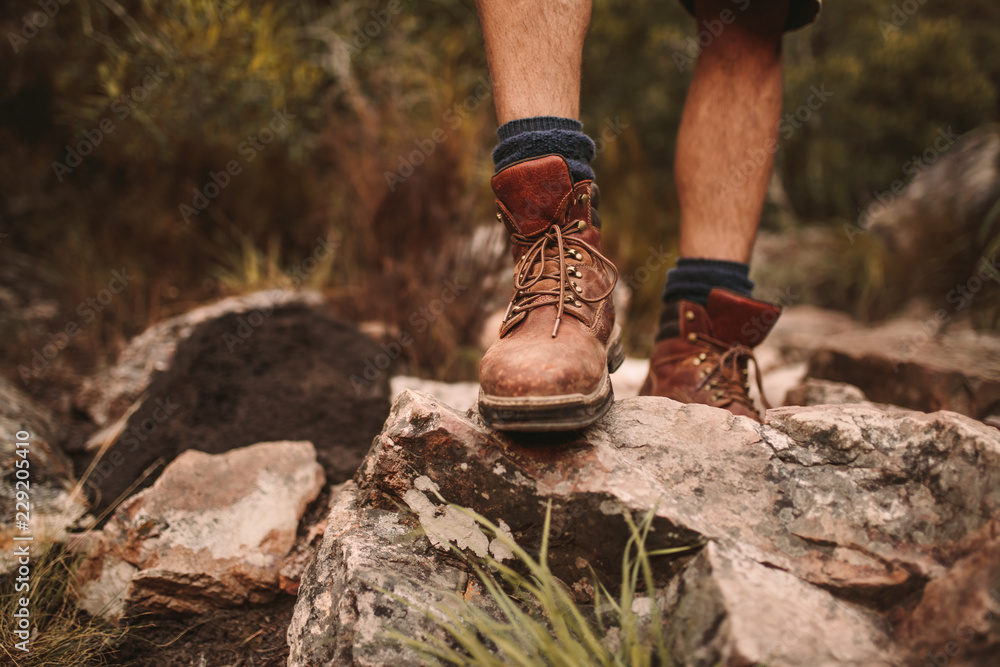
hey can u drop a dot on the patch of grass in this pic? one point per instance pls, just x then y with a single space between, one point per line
60 634
539 621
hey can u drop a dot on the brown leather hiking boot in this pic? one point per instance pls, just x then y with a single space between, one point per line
706 362
548 371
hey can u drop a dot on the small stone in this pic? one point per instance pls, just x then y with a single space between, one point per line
824 392
212 532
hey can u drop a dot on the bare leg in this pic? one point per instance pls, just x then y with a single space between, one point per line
534 49
730 116
548 369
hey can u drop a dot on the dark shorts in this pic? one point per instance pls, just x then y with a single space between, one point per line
800 12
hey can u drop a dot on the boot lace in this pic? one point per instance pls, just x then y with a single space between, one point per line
724 375
551 252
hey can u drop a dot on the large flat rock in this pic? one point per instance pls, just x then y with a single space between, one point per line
828 494
824 524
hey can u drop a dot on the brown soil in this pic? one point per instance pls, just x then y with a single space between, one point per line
242 637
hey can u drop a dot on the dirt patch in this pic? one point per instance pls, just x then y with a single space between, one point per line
233 384
244 637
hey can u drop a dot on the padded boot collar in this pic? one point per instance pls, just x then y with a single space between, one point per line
531 194
729 317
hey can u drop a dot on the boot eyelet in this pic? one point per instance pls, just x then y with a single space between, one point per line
692 336
702 356
581 225
696 362
577 255
689 315
583 199
578 303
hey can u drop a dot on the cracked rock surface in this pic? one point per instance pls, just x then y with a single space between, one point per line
831 535
371 574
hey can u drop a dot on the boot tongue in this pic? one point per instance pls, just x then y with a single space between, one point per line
533 194
739 319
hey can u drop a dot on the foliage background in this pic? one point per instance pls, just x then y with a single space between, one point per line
360 102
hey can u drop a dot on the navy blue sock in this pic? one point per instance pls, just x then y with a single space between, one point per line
528 138
693 279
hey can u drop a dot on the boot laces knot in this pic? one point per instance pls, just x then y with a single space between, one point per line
726 370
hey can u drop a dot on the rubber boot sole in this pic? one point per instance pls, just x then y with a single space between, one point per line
565 412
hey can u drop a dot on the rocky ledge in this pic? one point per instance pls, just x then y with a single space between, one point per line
831 535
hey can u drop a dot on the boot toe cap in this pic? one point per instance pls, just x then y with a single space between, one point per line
540 369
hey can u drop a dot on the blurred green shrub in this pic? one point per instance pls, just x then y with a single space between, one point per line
368 83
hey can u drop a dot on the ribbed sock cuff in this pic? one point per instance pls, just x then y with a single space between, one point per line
693 279
527 138
537 124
